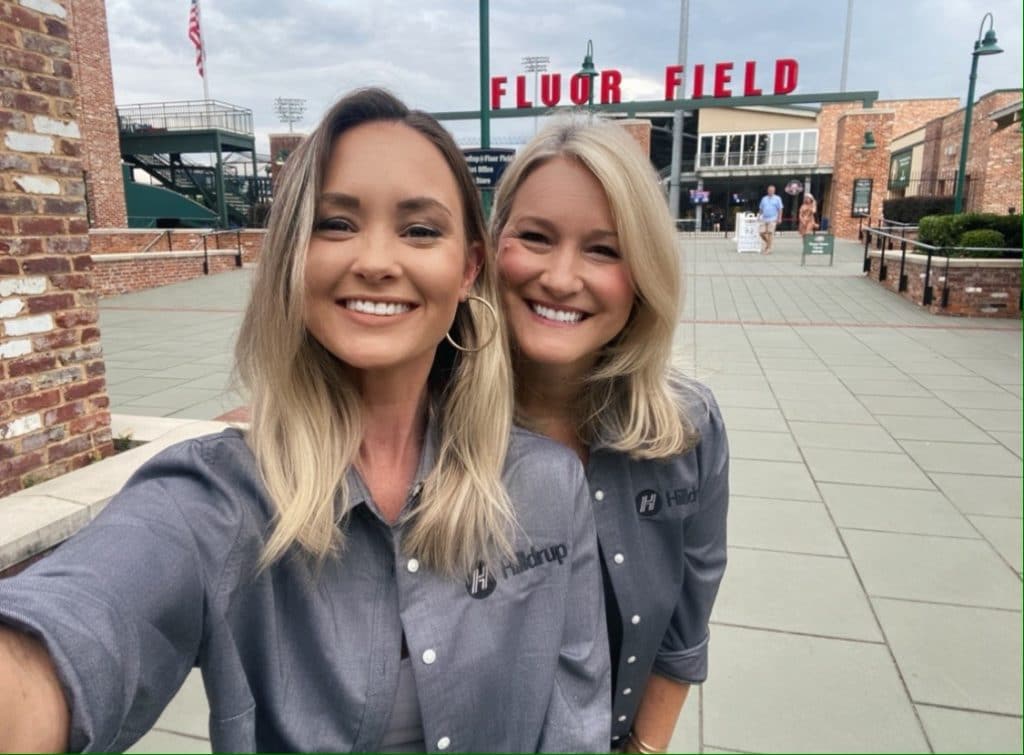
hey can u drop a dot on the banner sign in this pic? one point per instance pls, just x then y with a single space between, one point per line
487 165
861 198
607 84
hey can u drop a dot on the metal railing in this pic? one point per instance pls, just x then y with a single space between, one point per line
188 115
758 159
886 237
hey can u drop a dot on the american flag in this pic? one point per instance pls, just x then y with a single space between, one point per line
195 35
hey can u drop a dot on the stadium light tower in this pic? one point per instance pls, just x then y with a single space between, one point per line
289 110
535 64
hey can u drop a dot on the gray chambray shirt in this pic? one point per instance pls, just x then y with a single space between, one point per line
511 659
661 529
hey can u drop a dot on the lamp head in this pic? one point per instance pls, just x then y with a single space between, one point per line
987 46
588 61
869 140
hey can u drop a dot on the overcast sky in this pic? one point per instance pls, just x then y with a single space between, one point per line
428 52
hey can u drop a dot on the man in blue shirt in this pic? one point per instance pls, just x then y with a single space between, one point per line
770 213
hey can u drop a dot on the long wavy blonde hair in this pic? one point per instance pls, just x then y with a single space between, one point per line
627 402
306 425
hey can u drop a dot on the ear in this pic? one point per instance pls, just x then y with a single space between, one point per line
474 261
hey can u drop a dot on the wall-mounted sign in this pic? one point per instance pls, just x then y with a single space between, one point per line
861 198
899 168
700 196
487 165
607 84
794 187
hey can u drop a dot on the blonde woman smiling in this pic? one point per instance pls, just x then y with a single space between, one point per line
591 285
380 563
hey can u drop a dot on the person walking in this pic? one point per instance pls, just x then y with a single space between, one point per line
808 211
770 215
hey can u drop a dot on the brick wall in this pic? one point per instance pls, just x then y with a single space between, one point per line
982 289
157 256
852 161
281 145
53 403
908 115
639 129
97 116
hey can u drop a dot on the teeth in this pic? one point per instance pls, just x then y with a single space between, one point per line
380 308
558 315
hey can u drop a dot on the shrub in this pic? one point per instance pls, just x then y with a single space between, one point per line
981 239
936 230
912 209
948 230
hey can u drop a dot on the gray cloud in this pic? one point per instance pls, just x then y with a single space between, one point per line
427 52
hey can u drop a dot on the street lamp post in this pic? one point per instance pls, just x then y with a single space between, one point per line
590 72
982 46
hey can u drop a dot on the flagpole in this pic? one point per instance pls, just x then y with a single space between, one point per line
202 52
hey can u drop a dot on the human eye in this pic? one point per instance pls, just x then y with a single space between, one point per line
334 224
605 251
532 237
422 231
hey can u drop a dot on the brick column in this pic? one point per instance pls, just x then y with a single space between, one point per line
97 115
639 129
53 403
852 161
281 145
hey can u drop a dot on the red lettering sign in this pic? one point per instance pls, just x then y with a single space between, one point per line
722 78
581 88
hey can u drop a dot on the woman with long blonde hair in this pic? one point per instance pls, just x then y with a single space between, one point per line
381 562
588 259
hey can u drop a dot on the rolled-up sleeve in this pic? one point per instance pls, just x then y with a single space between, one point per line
119 607
683 655
578 719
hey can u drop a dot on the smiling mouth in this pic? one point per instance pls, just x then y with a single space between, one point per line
560 316
378 308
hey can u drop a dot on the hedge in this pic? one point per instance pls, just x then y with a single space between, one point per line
912 209
948 230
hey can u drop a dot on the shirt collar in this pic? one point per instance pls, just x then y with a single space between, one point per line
359 494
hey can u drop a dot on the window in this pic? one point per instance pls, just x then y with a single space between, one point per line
793 147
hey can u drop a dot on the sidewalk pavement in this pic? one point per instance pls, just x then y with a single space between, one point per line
873 597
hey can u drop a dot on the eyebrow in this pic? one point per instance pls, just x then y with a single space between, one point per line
412 204
600 233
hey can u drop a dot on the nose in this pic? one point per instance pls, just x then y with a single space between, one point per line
376 257
561 277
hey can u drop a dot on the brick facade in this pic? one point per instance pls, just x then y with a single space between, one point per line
125 261
53 403
281 145
993 182
972 288
852 161
97 115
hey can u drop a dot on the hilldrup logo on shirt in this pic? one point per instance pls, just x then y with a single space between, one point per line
482 582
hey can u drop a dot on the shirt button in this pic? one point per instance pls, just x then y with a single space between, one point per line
627 691
618 558
429 656
635 619
412 565
598 495
631 659
621 719
444 743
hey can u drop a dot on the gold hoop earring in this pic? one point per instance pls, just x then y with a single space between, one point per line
494 331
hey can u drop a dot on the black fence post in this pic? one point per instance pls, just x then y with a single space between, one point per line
867 251
945 284
928 294
903 265
238 244
881 259
206 257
